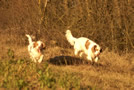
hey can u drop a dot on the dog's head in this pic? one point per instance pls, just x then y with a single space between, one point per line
96 49
39 45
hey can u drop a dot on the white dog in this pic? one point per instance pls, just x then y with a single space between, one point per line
35 49
84 45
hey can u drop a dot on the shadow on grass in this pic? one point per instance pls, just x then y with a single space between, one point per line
70 60
67 60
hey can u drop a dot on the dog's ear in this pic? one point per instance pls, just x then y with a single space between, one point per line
35 44
43 45
101 50
87 44
94 48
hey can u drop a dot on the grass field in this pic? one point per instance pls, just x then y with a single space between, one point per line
110 23
61 70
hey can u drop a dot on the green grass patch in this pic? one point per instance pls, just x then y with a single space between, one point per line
24 74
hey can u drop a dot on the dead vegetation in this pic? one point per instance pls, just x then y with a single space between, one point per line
113 71
109 23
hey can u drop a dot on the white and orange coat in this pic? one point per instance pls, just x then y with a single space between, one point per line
35 49
84 45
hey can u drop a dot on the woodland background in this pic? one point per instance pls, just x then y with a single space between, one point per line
108 22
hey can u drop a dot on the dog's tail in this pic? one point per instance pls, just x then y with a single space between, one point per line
29 38
70 37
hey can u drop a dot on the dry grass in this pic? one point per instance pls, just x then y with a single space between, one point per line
109 23
113 71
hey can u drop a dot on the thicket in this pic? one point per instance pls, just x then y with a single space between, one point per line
108 22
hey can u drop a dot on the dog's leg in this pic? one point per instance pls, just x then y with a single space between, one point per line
75 51
96 59
31 57
89 58
81 53
41 58
34 59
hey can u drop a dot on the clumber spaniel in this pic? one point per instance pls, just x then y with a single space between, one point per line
84 45
35 49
